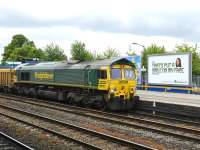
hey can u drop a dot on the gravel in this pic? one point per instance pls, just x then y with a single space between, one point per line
137 135
35 138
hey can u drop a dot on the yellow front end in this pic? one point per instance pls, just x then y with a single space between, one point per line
122 82
124 89
120 85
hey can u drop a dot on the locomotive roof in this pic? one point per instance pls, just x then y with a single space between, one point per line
81 65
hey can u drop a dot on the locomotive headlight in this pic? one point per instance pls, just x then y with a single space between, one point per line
113 90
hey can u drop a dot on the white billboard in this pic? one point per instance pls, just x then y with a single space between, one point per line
170 69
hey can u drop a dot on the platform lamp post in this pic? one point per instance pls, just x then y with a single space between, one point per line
134 43
142 69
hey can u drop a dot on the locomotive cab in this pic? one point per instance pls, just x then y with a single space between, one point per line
122 82
119 80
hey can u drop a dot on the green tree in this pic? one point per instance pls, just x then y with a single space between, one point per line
110 53
107 54
26 52
54 53
79 51
19 49
153 49
195 56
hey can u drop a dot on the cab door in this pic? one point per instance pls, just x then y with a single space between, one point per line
102 77
87 76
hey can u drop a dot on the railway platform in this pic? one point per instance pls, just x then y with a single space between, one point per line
171 103
170 98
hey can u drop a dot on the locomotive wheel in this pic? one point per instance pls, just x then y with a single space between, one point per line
21 91
5 89
103 106
32 93
87 102
99 103
79 99
71 98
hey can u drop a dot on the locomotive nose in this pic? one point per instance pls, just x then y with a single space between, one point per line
121 90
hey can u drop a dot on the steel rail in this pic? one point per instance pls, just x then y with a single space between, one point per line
53 132
157 116
122 120
88 131
15 142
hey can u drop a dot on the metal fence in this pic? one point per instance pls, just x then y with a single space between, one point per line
196 81
195 89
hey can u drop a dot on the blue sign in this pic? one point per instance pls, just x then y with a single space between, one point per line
138 62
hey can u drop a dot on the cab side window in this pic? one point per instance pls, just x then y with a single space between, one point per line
101 74
25 76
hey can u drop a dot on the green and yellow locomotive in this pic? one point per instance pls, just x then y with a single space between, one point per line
107 83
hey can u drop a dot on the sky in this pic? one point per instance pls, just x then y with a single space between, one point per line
101 23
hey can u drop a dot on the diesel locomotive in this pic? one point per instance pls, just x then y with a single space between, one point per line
109 83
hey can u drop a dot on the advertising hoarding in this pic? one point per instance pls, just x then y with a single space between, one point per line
170 69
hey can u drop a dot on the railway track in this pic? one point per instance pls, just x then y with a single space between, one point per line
9 143
168 114
85 136
184 132
166 117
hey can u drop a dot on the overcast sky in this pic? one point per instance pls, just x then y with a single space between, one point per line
101 23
